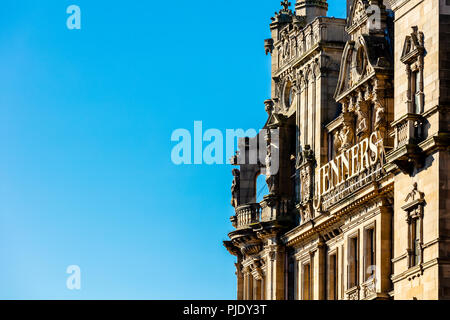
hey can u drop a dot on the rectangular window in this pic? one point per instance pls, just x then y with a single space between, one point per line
306 282
415 242
353 262
290 279
332 277
416 92
297 187
369 253
330 146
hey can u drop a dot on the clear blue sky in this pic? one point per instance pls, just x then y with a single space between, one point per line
86 118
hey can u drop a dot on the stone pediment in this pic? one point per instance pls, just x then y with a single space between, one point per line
412 46
358 14
367 56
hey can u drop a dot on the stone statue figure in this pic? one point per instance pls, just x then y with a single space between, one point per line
346 136
337 142
305 177
361 122
379 115
235 188
286 49
270 177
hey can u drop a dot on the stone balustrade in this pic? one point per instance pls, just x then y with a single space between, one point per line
247 214
408 130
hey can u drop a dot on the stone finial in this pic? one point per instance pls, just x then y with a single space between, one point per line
285 4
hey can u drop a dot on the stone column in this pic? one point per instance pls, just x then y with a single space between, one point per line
256 289
305 103
275 273
383 250
408 90
250 286
240 281
279 274
263 288
245 285
321 269
312 276
298 115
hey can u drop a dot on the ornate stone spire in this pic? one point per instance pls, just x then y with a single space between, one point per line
311 9
283 16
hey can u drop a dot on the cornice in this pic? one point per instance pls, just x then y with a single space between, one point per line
331 219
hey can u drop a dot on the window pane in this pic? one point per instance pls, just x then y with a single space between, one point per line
416 92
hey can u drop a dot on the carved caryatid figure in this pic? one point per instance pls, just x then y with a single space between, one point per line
337 141
305 178
346 136
379 110
361 122
379 115
362 116
235 188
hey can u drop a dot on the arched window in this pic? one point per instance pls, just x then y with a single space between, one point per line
261 188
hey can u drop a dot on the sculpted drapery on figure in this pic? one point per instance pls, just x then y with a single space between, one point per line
305 178
270 176
235 188
362 116
306 175
346 135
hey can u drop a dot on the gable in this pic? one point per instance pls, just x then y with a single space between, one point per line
412 46
358 14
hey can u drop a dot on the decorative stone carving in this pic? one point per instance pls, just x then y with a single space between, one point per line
413 57
285 52
305 178
337 141
362 120
235 188
346 134
269 106
268 46
379 116
353 294
306 213
414 217
272 255
415 194
306 174
369 288
271 177
379 109
285 4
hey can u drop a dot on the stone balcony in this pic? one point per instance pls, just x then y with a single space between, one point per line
246 215
407 133
408 130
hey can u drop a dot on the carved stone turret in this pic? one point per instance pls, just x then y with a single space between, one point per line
311 9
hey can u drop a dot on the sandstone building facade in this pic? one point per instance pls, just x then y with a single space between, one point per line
356 155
